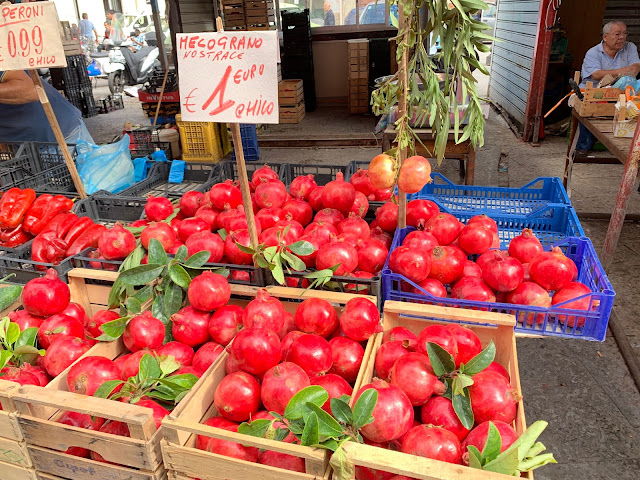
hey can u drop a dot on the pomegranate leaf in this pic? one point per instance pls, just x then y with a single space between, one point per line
179 276
5 356
133 305
462 407
172 300
328 427
157 255
223 234
301 247
106 389
144 294
114 294
244 249
13 333
133 259
141 275
364 407
480 361
149 368
341 411
113 329
330 444
293 261
25 350
184 381
27 337
343 467
257 428
281 434
157 309
310 434
158 395
460 382
276 270
198 259
181 254
475 457
506 462
168 365
493 444
441 360
296 426
297 406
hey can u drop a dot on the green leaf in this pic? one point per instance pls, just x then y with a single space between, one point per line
329 444
172 300
184 381
13 332
133 305
198 259
157 255
8 295
257 428
297 426
168 365
113 329
27 337
244 249
181 254
5 356
223 234
294 262
536 462
327 425
441 360
343 468
26 350
179 275
297 406
165 397
310 434
493 444
461 382
481 360
106 389
364 407
141 275
149 368
475 457
157 309
277 272
281 434
114 294
144 294
462 407
506 462
341 411
302 247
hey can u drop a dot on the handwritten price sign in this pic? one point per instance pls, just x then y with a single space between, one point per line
229 77
30 37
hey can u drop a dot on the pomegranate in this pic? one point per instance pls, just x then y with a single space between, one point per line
59 326
263 174
356 225
298 210
372 255
271 194
564 298
338 194
433 442
276 236
158 208
484 221
116 243
80 420
552 270
387 355
471 269
359 287
223 194
387 217
191 326
181 353
19 375
315 199
159 412
282 461
255 350
89 373
206 355
529 293
527 277
225 447
280 383
439 412
525 247
130 366
294 229
100 318
440 335
239 222
420 240
46 295
415 173
419 212
485 258
62 352
335 385
143 331
287 341
468 343
492 398
411 263
431 286
187 370
350 238
362 183
392 415
383 194
209 291
191 226
347 356
401 334
325 231
301 187
228 214
161 232
76 311
445 227
233 253
447 264
496 367
475 239
268 217
288 326
25 320
225 323
230 365
337 253
190 203
311 353
478 437
503 274
208 241
360 319
316 316
329 215
412 372
237 396
360 205
264 311
474 289
382 171
378 234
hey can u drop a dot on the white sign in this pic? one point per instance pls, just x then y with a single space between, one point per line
228 76
30 37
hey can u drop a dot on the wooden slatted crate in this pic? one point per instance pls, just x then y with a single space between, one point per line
290 92
358 53
291 114
598 102
184 461
488 326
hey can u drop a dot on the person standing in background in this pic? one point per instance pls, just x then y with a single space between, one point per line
115 21
87 35
329 17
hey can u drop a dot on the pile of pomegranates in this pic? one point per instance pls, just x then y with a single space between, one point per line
275 354
437 258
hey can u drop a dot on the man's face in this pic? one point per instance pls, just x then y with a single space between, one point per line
109 16
327 6
616 38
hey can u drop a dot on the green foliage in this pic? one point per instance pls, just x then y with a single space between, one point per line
17 347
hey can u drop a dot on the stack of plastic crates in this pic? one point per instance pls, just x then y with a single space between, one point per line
249 136
145 141
203 141
76 84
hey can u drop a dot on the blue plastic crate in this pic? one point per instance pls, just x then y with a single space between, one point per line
249 136
553 321
497 200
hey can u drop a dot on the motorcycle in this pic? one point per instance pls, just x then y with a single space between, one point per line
127 68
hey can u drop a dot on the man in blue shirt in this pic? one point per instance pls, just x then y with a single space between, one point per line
613 56
88 34
23 118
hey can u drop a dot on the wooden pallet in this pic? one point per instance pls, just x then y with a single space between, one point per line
488 326
290 92
291 114
65 31
184 461
71 48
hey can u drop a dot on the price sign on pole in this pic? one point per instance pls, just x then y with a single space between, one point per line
228 76
30 37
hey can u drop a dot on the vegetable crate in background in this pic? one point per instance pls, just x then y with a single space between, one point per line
553 321
249 136
203 141
489 327
597 102
10 150
20 264
107 209
184 461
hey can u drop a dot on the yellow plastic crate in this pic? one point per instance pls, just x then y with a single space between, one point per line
203 141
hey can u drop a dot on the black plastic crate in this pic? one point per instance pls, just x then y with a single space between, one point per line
20 264
323 174
56 181
110 103
11 150
81 97
197 176
108 209
144 135
148 149
229 170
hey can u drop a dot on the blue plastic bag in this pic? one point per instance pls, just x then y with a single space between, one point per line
105 167
176 173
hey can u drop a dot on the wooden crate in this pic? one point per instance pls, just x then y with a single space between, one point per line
184 461
488 326
65 31
291 114
290 92
598 102
10 471
71 48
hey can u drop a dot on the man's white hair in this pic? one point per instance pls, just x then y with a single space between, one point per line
609 25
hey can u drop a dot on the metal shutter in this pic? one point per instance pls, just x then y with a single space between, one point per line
512 55
197 16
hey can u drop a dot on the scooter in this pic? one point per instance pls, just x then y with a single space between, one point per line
130 68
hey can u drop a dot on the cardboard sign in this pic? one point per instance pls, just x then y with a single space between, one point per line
228 77
30 37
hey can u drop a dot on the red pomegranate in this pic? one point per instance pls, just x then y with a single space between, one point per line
190 326
503 274
329 215
356 225
63 352
360 205
298 210
225 323
429 285
208 291
421 240
419 212
271 194
282 461
191 226
492 398
80 420
287 341
223 194
415 173
301 187
225 447
433 442
337 253
372 255
142 332
485 221
347 356
447 264
383 194
323 230
413 374
382 171
387 355
569 297
361 182
315 199
360 319
439 412
264 311
231 250
552 270
239 222
209 215
440 335
263 174
158 208
401 334
46 295
206 355
86 376
25 320
475 239
190 203
316 316
485 258
181 353
237 396
478 437
311 353
100 318
335 385
387 217
116 243
496 367
532 294
474 289
471 269
445 227
208 241
525 247
378 234
280 383
255 350
411 263
160 231
469 344
58 326
268 217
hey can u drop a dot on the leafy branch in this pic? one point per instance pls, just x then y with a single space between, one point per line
18 347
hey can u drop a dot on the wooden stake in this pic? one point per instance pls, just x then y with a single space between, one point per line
164 84
402 110
53 121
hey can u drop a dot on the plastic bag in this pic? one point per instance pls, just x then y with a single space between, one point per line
105 167
176 173
625 81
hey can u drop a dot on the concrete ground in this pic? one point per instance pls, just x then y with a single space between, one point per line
583 389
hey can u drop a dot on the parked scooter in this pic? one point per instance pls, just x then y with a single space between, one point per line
130 68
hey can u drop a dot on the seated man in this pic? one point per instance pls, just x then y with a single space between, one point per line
613 56
137 40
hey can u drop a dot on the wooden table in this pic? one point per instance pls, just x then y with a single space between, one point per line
626 151
464 151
